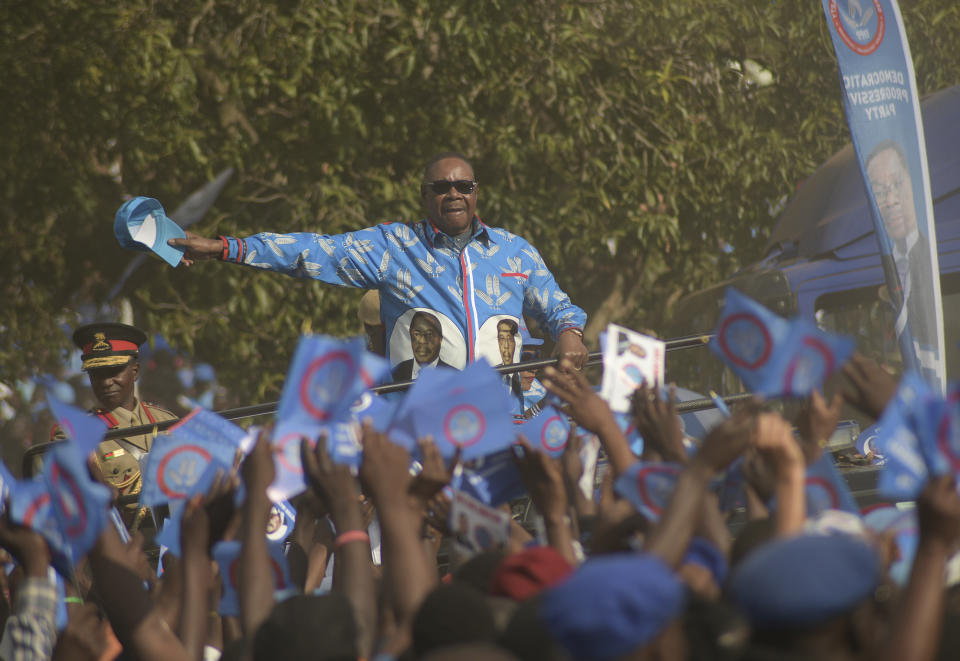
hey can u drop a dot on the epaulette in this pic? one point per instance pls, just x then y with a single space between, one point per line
108 419
156 407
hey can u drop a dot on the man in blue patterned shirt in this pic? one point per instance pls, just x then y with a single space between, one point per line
468 275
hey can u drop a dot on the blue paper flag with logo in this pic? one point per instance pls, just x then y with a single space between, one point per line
79 426
326 377
431 385
825 489
494 479
177 461
288 471
773 356
648 486
379 410
227 556
473 414
938 429
905 470
78 503
547 431
31 506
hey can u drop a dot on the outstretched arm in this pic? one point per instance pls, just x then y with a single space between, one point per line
337 259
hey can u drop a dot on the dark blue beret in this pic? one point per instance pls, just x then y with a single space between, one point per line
805 580
612 605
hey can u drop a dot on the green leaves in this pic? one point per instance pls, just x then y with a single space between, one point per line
591 125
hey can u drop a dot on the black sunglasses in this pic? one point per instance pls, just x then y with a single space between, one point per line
442 186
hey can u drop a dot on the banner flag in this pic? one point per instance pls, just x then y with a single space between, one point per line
773 356
883 112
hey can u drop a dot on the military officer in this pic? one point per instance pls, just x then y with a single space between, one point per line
110 353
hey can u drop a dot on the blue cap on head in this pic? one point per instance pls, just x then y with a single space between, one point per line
804 580
141 224
612 605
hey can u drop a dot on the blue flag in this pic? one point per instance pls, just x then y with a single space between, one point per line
326 377
79 426
882 106
773 356
379 410
78 503
31 506
170 533
905 470
825 489
289 478
938 428
547 431
473 414
177 461
431 385
494 479
227 556
648 486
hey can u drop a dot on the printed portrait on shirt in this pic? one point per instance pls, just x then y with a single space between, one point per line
424 338
499 340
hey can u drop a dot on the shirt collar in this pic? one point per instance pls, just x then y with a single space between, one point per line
417 367
479 232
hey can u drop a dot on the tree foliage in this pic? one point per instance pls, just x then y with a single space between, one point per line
621 137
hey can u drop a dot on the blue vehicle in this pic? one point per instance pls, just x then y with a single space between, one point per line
822 261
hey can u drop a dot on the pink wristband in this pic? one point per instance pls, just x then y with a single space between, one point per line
351 536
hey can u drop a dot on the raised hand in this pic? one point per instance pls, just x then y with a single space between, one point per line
333 483
27 546
774 441
938 512
206 518
726 441
257 469
434 475
816 423
658 422
871 386
585 406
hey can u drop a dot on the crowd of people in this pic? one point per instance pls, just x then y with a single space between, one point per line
375 565
596 580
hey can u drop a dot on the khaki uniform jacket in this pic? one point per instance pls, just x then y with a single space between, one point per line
119 458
